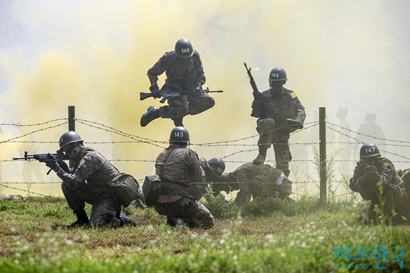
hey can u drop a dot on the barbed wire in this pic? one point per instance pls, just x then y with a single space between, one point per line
238 142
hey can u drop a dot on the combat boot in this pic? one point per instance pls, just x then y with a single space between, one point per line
82 220
125 220
178 121
151 114
260 159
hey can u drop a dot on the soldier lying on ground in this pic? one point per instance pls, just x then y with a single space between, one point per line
257 181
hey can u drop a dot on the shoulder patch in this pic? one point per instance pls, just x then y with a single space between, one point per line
293 95
81 162
385 165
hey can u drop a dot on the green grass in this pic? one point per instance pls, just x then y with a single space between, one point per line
263 236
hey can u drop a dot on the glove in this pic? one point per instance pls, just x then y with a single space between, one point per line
51 162
294 123
371 172
154 88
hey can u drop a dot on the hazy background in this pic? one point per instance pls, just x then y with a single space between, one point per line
95 55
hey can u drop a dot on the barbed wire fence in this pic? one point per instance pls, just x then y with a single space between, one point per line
307 169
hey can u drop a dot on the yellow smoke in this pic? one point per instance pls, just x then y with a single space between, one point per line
95 55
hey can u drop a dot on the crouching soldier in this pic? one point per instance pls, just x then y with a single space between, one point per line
377 181
178 166
90 181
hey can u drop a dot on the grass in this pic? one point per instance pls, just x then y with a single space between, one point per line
263 236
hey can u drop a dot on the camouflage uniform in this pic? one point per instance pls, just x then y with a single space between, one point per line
198 190
183 167
260 181
388 194
88 182
273 109
182 75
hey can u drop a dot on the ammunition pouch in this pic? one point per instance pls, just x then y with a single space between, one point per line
151 189
125 188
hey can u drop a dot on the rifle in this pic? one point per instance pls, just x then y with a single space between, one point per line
256 92
170 94
60 156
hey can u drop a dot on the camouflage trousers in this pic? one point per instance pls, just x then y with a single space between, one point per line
181 106
193 213
387 207
105 209
268 135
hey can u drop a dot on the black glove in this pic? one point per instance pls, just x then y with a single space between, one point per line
51 162
294 123
154 88
371 172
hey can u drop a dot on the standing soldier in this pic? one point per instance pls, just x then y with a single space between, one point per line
89 181
376 180
279 112
184 73
178 166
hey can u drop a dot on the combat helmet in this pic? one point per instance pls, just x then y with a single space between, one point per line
184 49
68 138
369 150
179 135
277 74
217 165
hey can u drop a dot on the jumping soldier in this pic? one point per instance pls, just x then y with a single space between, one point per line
89 182
178 166
376 179
184 73
279 112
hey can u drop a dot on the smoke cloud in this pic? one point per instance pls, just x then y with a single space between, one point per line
95 55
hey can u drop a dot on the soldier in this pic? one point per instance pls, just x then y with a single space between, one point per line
184 73
376 179
279 112
258 181
178 166
213 169
88 182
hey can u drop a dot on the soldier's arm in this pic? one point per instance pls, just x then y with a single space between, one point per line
199 68
157 69
298 108
388 173
75 179
357 180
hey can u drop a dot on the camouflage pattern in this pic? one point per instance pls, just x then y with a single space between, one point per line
404 208
193 213
183 168
88 182
181 75
259 181
382 186
198 190
275 108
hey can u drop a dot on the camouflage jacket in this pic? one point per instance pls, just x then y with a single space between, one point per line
279 106
182 74
183 165
92 168
367 187
262 180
